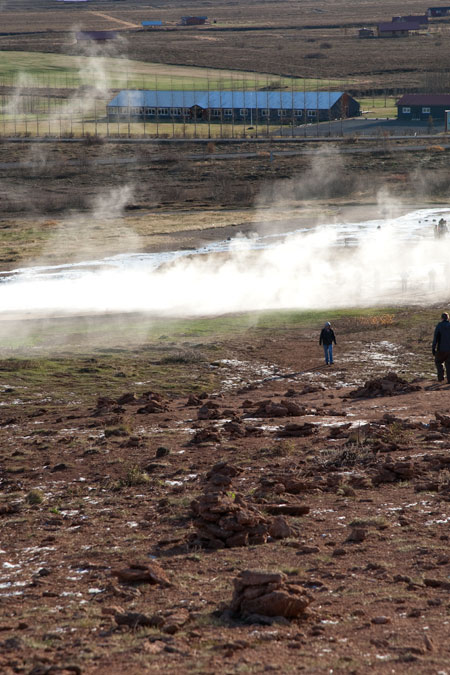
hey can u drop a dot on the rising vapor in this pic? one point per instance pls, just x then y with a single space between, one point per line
388 261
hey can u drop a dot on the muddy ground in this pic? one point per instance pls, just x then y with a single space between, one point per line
104 447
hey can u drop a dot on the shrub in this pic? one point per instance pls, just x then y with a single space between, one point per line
35 496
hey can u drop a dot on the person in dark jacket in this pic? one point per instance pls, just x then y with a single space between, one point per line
326 339
441 347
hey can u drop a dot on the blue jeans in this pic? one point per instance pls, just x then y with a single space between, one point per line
328 351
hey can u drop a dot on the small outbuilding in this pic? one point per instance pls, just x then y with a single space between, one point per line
193 20
366 33
438 11
151 24
423 106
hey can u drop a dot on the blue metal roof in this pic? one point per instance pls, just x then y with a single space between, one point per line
151 23
321 100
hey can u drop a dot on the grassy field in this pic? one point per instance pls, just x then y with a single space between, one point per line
65 71
381 106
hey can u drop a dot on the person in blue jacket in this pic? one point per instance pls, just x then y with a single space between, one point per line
441 347
327 337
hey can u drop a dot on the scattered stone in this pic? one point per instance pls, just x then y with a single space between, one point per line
437 583
297 430
208 411
357 535
129 397
287 509
389 385
206 435
279 528
135 619
304 549
391 471
193 401
9 509
150 573
380 620
162 452
176 620
443 419
402 578
268 594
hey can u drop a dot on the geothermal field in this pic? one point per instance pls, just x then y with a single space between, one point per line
185 485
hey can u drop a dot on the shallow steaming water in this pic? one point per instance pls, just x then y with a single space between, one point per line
341 264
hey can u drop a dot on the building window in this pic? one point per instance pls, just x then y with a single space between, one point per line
163 111
406 110
243 112
311 113
215 112
426 111
149 111
228 112
281 113
175 111
123 109
298 113
187 111
265 112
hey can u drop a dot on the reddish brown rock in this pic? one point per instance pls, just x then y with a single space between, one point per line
268 594
389 385
297 430
150 573
135 619
279 528
287 509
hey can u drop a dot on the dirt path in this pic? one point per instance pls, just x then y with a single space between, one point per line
112 18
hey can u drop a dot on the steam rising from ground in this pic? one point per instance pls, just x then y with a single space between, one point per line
394 260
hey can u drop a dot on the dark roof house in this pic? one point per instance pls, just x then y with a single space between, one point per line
193 20
397 28
421 19
423 106
438 11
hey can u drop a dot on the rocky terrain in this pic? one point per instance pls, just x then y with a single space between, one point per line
296 521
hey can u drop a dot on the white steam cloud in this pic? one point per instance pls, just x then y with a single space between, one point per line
387 261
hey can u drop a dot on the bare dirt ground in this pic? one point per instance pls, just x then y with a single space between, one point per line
104 450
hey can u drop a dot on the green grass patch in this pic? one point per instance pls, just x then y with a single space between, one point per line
70 72
378 106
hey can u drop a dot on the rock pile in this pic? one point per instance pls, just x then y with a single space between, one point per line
150 402
388 385
267 594
224 519
284 408
297 430
391 471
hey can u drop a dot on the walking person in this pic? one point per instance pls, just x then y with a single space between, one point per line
327 337
441 347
